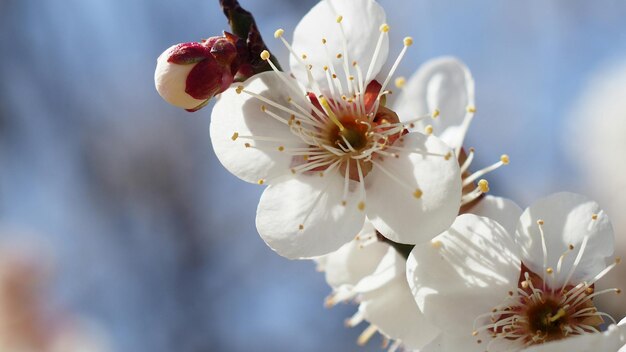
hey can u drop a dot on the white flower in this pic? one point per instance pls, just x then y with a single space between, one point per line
445 86
373 274
326 145
489 290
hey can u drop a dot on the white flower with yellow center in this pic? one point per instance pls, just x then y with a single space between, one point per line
329 150
490 290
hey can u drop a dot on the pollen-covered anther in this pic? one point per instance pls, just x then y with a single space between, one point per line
384 28
549 271
281 148
339 19
301 227
483 185
279 33
436 113
540 222
471 109
361 206
429 129
235 136
239 89
594 217
400 82
408 41
418 193
505 159
265 55
261 181
436 244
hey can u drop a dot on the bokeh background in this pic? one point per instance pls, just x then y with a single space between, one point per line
154 242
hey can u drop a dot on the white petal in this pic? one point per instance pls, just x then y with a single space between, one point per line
466 343
443 83
315 203
392 206
241 114
567 220
607 341
502 210
353 261
171 81
463 273
361 22
392 309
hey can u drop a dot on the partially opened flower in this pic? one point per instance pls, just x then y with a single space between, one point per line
490 290
445 86
327 146
373 274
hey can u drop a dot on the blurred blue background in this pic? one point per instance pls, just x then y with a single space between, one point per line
154 240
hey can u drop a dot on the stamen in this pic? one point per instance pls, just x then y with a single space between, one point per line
504 159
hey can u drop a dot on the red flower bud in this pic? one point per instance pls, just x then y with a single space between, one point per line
187 75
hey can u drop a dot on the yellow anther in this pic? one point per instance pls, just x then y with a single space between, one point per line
339 19
361 206
418 193
263 108
265 55
408 41
540 222
505 159
235 136
279 33
304 56
429 129
281 148
471 108
436 113
594 217
351 78
448 156
400 82
323 40
239 89
436 244
475 333
330 113
384 28
549 270
483 185
339 56
344 203
325 68
301 227
261 181
354 63
618 260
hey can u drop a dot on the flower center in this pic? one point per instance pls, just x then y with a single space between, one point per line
547 318
353 135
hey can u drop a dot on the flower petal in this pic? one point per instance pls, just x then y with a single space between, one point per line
474 261
302 216
443 83
361 22
170 80
612 340
568 219
235 117
353 261
502 210
393 310
466 343
422 169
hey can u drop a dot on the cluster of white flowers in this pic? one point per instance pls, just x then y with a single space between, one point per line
383 199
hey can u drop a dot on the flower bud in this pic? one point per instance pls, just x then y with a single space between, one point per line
187 75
